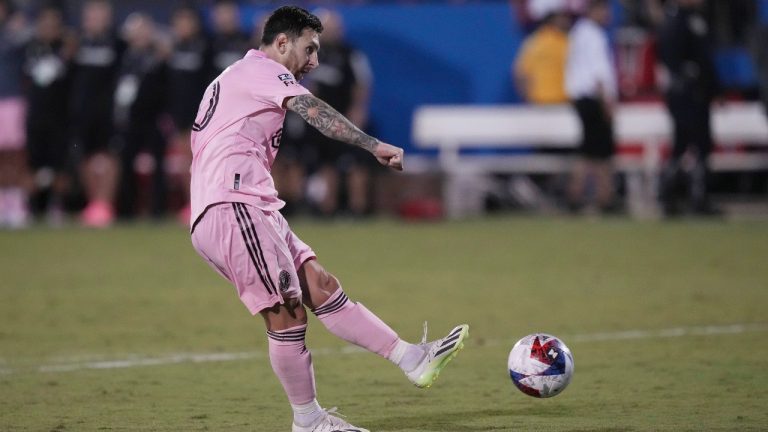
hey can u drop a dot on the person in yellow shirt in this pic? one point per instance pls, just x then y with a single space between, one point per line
539 69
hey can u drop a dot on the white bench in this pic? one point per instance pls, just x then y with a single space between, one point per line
646 127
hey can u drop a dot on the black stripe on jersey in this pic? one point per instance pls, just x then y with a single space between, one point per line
251 249
213 102
333 306
259 252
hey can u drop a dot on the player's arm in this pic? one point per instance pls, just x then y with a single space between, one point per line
334 125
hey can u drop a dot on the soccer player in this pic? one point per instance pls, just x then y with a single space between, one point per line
238 229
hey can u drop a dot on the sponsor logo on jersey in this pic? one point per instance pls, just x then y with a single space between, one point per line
287 79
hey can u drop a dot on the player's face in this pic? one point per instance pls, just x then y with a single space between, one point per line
302 53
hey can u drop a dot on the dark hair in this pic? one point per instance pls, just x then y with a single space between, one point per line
291 20
10 7
55 6
598 4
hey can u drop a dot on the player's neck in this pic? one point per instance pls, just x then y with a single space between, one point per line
271 53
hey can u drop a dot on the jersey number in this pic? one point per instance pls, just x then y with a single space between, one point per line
276 138
213 102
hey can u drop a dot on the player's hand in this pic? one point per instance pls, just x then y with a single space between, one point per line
389 155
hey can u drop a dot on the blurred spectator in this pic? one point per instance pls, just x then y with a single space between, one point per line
646 14
760 50
539 70
343 79
139 101
96 62
47 66
591 86
13 197
189 72
230 43
685 50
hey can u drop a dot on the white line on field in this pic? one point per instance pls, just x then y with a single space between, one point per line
139 360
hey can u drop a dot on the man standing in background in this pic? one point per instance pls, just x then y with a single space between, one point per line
590 81
685 51
47 66
343 79
96 62
139 100
760 50
229 43
13 197
189 71
539 70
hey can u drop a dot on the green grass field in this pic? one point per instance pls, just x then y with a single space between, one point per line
117 330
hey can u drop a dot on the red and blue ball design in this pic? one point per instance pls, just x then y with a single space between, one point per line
540 365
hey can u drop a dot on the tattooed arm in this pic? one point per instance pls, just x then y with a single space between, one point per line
334 125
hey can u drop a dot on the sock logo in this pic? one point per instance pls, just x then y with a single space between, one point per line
284 280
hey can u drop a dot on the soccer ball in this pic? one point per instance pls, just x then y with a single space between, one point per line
540 365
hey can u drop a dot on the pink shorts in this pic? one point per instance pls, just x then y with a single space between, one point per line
253 249
13 112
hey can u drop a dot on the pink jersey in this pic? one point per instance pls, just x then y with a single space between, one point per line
236 135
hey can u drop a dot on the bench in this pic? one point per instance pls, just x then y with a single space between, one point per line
642 130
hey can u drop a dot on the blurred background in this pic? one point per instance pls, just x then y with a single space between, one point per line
97 100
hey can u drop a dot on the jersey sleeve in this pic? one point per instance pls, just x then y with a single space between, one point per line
275 84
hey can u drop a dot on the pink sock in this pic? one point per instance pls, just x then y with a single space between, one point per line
292 364
355 324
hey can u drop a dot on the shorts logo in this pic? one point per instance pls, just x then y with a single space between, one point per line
287 79
285 281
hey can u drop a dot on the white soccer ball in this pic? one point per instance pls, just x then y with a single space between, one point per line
540 365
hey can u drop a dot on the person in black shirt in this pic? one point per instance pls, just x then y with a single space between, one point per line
93 87
229 43
47 69
342 79
189 72
139 100
686 53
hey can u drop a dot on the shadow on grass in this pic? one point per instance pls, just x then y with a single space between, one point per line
479 421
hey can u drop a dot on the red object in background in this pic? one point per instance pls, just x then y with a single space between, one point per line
424 209
636 65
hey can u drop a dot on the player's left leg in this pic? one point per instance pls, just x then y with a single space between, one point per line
354 323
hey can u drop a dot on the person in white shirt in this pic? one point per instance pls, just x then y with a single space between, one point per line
590 82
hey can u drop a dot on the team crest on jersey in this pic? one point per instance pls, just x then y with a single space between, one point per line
285 281
287 79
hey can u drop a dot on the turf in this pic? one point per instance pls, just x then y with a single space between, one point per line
70 298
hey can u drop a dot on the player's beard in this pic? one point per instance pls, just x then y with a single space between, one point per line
300 74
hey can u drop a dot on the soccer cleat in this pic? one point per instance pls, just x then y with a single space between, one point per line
329 422
438 354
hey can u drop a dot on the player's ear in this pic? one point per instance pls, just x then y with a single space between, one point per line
282 43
